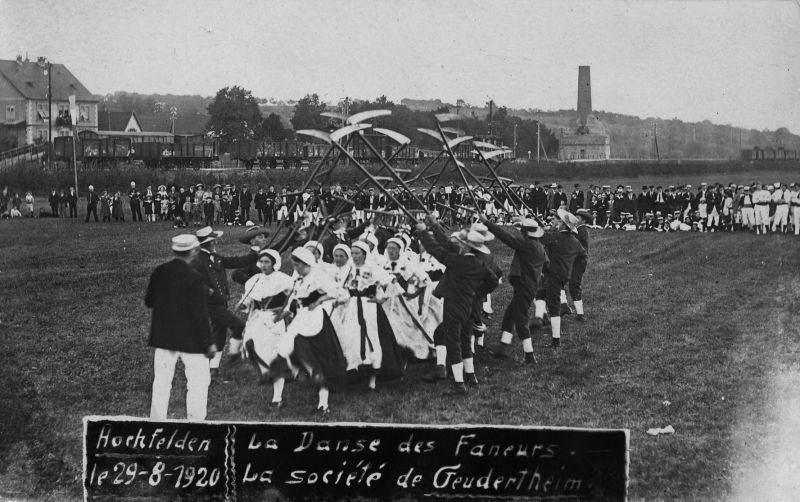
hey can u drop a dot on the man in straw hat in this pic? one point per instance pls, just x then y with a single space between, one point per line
562 248
180 330
463 276
211 267
256 237
526 270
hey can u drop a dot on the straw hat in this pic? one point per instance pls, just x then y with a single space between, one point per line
531 228
184 242
251 232
475 240
569 219
483 230
207 234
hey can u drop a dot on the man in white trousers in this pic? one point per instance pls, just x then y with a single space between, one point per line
180 329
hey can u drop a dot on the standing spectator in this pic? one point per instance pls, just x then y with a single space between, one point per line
180 330
642 204
29 204
53 201
260 203
134 200
116 208
72 202
91 204
761 200
4 200
62 203
216 209
208 208
269 209
105 207
576 199
187 212
245 199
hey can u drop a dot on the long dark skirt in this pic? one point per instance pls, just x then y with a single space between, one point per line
321 355
393 361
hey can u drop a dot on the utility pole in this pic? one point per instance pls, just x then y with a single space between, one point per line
50 119
73 115
173 116
655 141
538 142
515 141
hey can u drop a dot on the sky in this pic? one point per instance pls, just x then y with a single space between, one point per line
731 62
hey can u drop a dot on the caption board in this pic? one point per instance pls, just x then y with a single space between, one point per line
127 458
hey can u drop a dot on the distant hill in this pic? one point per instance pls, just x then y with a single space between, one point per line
631 137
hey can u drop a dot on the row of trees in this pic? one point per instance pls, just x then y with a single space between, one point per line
234 114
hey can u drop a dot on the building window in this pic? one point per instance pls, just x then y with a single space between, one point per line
83 116
11 113
64 132
63 118
42 111
42 134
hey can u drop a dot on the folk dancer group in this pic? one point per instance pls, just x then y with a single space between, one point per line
360 305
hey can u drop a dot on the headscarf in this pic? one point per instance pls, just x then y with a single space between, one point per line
274 256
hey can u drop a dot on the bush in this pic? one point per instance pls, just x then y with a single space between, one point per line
37 178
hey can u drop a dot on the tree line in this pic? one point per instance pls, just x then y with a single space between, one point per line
234 115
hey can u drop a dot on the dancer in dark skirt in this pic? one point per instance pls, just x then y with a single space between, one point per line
316 346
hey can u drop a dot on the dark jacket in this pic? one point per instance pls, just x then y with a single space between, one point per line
463 275
92 199
529 256
562 249
583 237
211 267
180 313
246 199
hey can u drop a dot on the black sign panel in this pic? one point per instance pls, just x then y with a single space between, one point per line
129 458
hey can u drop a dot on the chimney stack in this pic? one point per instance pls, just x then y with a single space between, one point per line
584 96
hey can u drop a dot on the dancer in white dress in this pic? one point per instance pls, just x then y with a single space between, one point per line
367 336
265 340
406 299
316 347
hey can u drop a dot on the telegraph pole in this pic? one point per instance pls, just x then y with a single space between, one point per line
515 141
50 119
538 141
655 141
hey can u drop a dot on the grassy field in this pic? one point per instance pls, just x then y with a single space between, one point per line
688 330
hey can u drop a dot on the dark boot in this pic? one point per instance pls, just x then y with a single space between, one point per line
501 351
458 389
437 374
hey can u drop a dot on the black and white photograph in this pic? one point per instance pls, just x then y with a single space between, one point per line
410 250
